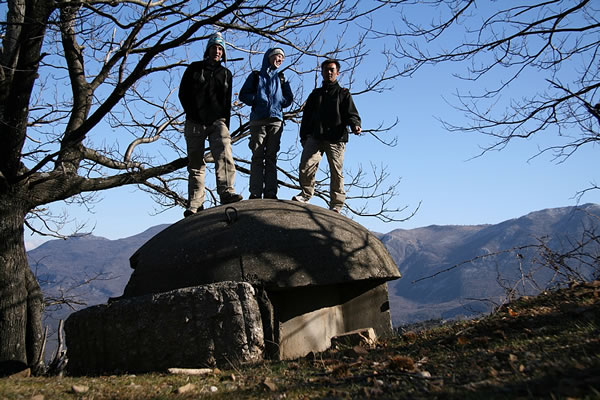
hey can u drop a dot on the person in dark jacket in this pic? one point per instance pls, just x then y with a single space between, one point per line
205 94
267 92
328 112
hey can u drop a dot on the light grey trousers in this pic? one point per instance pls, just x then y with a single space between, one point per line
220 148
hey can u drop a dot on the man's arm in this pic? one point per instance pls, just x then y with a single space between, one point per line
306 124
185 89
350 113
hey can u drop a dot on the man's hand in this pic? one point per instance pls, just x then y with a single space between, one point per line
356 130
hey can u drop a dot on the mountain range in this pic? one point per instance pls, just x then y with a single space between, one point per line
454 271
447 271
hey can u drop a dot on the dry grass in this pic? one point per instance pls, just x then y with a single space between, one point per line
542 347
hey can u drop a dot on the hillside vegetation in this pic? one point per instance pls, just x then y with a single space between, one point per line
547 346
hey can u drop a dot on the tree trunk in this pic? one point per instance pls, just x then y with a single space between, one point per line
21 301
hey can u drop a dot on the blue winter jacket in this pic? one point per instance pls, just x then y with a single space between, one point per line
265 93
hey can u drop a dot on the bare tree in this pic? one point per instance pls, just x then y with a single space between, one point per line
87 104
546 51
526 70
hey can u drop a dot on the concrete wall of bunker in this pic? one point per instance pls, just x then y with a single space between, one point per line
307 318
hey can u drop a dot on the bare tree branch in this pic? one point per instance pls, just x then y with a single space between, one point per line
86 90
506 48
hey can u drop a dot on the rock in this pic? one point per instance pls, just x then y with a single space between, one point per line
186 388
25 373
359 337
203 326
269 384
80 389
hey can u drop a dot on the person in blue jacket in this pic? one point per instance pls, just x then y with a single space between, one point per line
268 93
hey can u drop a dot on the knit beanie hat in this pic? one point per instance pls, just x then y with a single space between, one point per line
274 51
214 40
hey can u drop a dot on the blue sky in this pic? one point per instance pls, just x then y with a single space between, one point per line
439 170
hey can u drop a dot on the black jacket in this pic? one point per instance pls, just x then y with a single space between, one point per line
205 92
328 112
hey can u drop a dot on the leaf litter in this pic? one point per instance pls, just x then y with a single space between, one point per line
547 346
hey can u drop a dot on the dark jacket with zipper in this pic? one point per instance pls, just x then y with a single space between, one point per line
328 113
205 92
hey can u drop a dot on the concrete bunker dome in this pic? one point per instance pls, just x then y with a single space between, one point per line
319 273
274 244
257 279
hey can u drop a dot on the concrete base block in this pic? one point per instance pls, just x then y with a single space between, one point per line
203 326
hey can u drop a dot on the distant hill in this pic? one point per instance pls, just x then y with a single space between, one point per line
90 269
86 270
473 287
64 266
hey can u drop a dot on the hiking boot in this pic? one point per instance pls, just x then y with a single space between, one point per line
300 198
230 197
271 196
189 213
336 209
253 196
